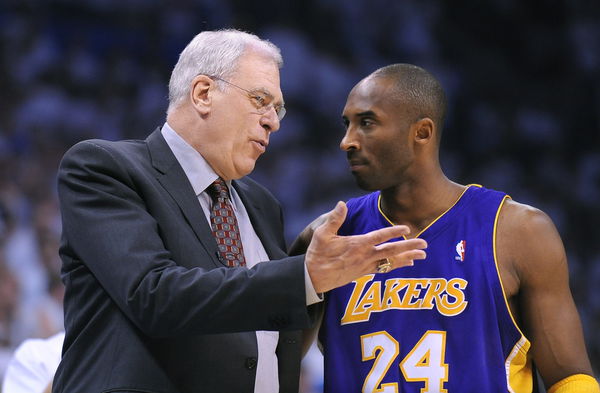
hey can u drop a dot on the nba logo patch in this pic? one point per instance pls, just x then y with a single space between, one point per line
460 250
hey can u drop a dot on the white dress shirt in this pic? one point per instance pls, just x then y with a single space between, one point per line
33 365
201 175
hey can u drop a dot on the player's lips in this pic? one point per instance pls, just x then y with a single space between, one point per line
356 162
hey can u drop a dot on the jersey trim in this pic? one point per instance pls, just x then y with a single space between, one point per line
432 222
498 268
519 376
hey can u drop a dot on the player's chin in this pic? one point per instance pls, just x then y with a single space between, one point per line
364 183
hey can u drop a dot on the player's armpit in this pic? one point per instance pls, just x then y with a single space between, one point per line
530 245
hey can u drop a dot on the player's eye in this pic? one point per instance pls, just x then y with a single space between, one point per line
366 122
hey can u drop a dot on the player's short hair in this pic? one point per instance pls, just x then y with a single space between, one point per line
417 89
215 53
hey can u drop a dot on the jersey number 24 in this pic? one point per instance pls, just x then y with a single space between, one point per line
424 363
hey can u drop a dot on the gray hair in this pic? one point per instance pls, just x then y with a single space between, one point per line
214 53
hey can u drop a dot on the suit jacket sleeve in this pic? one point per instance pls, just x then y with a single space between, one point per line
117 224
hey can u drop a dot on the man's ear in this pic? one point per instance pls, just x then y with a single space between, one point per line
424 131
201 94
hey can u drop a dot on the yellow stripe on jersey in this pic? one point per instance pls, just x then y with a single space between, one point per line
519 374
518 368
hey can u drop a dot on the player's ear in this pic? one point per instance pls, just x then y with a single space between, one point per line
424 130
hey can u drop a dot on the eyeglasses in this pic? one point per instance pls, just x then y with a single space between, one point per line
259 100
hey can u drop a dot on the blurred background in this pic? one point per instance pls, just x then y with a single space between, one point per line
523 81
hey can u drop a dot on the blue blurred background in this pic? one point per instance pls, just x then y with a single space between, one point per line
523 81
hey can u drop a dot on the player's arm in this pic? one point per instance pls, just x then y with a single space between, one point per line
528 239
300 244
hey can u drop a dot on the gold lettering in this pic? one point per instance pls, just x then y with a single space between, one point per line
349 313
447 296
412 292
434 290
371 301
391 298
454 289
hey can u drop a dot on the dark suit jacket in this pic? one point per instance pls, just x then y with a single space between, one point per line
148 305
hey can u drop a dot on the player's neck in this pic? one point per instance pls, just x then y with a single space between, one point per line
419 202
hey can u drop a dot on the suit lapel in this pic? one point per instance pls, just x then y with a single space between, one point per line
258 220
173 179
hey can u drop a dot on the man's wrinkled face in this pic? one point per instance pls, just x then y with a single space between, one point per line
239 134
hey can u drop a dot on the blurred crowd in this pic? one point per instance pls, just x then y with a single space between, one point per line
523 81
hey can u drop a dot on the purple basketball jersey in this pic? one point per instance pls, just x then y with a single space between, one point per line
442 325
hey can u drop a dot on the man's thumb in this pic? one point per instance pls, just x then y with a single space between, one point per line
336 218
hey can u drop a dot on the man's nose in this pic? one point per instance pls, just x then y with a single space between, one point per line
270 121
349 141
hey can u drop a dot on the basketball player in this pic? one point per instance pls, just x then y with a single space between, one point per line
491 298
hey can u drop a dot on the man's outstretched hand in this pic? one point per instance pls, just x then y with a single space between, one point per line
333 261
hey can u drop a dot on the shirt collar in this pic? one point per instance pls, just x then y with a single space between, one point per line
198 171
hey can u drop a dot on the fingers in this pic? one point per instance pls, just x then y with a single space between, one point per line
384 234
400 253
410 247
401 260
333 261
335 219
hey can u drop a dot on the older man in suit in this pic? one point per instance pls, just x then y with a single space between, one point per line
163 241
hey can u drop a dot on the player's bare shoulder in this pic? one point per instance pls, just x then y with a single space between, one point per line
527 242
522 219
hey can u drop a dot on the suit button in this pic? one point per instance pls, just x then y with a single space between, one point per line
251 363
